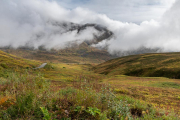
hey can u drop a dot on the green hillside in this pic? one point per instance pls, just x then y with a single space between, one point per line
144 65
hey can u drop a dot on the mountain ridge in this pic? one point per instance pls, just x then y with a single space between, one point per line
73 52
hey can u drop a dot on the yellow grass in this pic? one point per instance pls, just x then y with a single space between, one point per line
145 89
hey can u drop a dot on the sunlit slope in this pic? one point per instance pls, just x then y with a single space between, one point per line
152 65
11 62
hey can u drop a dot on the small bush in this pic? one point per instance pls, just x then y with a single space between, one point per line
48 67
4 73
30 93
121 90
86 103
1 68
4 65
45 113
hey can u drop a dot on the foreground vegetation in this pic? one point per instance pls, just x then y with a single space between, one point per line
31 97
72 91
162 93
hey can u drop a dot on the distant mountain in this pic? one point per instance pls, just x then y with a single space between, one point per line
73 52
140 50
82 53
104 33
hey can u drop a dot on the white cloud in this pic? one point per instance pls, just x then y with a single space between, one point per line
30 22
25 22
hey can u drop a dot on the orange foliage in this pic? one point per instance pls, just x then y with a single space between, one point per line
6 102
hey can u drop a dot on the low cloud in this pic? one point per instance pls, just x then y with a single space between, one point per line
36 23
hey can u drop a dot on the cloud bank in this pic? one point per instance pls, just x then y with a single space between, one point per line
33 23
38 22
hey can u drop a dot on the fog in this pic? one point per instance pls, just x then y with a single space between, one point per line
32 23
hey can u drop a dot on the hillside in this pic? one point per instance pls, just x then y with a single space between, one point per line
143 65
62 90
9 61
77 50
82 53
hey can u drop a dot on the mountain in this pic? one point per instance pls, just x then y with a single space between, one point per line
76 50
105 33
77 54
98 32
143 65
73 51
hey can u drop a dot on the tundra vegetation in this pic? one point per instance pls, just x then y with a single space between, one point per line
74 91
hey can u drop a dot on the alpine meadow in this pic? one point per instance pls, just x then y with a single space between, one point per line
89 60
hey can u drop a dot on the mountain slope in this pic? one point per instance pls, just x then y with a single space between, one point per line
76 54
59 34
149 65
75 51
11 62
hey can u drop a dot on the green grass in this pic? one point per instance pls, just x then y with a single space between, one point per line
167 85
144 65
160 92
22 96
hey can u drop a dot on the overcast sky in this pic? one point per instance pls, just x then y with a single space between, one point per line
135 23
134 11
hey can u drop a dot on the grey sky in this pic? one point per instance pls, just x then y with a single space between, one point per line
134 11
135 23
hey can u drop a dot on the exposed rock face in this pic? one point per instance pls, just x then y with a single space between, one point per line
105 34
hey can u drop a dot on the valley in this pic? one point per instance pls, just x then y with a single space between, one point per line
142 97
89 60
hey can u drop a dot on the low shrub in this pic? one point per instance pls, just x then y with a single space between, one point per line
49 66
86 103
29 92
33 98
4 65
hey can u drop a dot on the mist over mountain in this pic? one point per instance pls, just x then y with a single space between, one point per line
65 35
46 23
